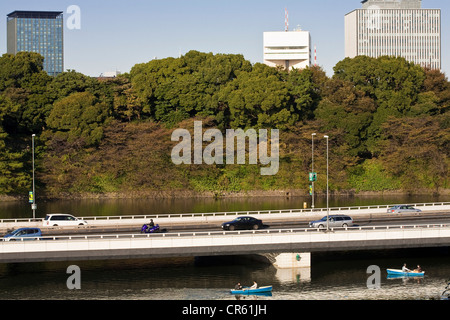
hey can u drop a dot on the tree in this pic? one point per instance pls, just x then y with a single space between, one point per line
437 83
66 83
18 70
304 91
361 71
392 82
126 104
259 99
415 150
347 108
13 177
175 89
23 83
79 116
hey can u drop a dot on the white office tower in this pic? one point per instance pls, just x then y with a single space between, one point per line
287 49
399 28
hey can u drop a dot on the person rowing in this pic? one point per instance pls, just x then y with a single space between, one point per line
405 269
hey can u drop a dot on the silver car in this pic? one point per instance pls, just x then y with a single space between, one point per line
334 221
402 208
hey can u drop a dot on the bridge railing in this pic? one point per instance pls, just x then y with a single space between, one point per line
225 233
261 212
232 214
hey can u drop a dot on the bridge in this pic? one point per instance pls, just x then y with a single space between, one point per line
214 243
127 246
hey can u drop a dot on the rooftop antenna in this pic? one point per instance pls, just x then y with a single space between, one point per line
315 56
286 20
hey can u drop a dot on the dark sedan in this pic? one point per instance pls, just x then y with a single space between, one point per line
243 223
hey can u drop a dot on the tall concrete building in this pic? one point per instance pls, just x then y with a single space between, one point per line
38 31
287 49
398 28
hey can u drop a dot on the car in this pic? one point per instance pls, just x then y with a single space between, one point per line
402 208
62 219
243 223
334 221
23 234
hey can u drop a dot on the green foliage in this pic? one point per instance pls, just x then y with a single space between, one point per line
19 70
80 115
347 108
23 86
126 105
66 83
416 151
371 176
12 178
172 90
259 99
388 122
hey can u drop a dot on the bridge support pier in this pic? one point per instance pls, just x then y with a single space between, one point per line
293 260
291 266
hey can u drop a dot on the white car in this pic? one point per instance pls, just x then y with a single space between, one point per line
402 208
62 219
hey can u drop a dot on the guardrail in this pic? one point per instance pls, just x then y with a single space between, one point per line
259 212
225 233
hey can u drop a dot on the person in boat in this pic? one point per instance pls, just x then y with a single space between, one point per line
418 269
238 286
405 269
254 286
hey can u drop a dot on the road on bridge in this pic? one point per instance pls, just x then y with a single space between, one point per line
434 218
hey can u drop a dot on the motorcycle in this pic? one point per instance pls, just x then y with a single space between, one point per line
146 229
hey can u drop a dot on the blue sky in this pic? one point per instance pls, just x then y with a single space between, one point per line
117 34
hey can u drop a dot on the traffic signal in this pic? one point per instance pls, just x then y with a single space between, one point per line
312 176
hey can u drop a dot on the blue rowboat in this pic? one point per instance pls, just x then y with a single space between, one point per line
400 273
259 290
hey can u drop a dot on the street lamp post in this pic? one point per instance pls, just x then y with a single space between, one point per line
33 205
312 168
328 208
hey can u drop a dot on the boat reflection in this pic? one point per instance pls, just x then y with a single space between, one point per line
395 276
252 295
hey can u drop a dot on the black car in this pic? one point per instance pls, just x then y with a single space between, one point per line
243 223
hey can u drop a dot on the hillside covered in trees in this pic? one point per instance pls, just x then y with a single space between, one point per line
388 121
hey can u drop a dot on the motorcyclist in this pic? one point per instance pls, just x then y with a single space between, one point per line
148 227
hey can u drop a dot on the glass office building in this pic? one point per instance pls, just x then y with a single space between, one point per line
38 31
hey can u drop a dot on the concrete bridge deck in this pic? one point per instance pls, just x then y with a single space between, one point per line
94 247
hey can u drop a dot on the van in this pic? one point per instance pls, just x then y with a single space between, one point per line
23 234
334 221
62 219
